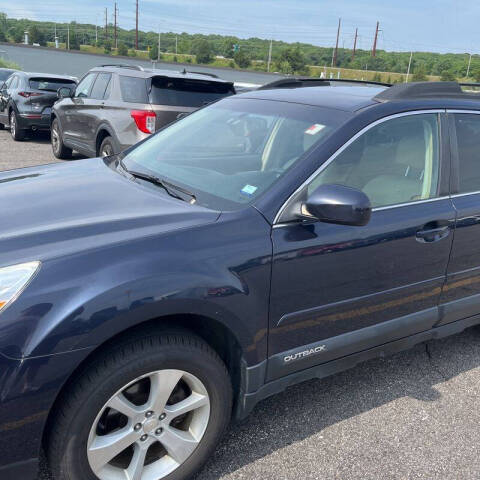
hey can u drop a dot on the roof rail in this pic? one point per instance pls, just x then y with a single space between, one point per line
185 71
407 91
300 82
121 65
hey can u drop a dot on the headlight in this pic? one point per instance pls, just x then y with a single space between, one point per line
13 281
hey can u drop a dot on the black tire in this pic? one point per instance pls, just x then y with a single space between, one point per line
2 126
107 148
18 134
109 372
58 147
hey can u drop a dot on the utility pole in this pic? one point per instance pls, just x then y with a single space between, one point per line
270 55
68 37
409 65
176 44
159 43
335 55
136 29
355 44
115 27
96 32
374 50
469 64
106 24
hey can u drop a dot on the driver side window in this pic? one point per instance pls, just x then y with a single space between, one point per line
395 162
83 88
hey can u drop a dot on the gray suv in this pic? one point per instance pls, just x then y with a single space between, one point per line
116 106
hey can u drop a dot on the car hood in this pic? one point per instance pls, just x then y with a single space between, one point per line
59 209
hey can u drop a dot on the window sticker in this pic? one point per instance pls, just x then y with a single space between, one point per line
249 189
314 129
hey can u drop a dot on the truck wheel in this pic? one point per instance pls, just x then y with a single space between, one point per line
17 133
154 407
59 149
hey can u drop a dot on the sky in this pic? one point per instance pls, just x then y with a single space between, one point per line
419 25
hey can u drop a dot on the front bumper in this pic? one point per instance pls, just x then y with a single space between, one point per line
28 389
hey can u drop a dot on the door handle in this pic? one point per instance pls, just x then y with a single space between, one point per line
430 235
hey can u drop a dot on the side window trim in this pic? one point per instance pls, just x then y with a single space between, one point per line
305 184
455 183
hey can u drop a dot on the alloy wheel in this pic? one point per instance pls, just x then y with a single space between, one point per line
150 427
55 139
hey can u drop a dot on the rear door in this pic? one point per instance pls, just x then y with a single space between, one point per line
94 111
461 294
171 97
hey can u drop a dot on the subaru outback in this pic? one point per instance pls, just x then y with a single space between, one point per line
149 297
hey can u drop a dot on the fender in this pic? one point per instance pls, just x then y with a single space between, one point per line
123 285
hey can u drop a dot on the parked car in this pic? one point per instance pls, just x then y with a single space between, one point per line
4 74
146 298
117 106
26 101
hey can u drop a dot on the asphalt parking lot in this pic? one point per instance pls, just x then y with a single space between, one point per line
414 415
36 150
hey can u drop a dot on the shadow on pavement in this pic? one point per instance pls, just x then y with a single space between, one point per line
304 410
43 137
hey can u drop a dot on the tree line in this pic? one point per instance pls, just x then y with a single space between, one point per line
288 58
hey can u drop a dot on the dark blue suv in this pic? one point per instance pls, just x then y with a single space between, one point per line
275 236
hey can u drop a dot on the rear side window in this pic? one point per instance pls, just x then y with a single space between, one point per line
182 92
100 86
468 133
134 90
50 84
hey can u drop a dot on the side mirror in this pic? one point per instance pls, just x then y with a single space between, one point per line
64 92
338 204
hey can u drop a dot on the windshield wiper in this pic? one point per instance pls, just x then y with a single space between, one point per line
167 186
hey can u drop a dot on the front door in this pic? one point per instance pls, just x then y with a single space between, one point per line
73 120
337 289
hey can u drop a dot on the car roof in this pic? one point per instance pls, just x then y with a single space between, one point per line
349 98
47 75
140 72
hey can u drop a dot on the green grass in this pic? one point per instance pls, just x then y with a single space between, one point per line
8 64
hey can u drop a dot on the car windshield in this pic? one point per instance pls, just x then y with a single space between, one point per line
231 152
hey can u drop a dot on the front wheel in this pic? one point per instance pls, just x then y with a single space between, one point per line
58 147
152 408
17 133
